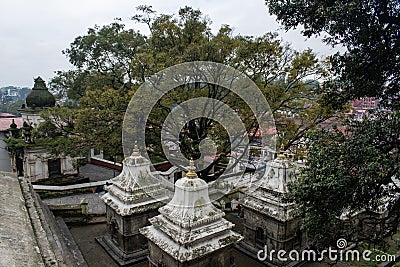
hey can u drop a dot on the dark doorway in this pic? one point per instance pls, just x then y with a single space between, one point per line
54 167
260 237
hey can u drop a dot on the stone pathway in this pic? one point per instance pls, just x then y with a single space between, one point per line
97 173
96 206
18 245
94 254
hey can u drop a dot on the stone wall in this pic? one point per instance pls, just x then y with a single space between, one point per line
52 191
30 234
124 231
278 235
56 245
36 164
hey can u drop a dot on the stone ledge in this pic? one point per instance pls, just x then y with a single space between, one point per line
50 191
55 245
47 253
18 244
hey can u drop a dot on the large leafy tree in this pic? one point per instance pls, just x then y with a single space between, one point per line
101 58
120 59
96 123
367 29
350 171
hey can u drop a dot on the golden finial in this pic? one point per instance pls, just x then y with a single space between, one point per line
136 151
191 173
281 154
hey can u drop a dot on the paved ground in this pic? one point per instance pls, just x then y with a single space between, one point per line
93 253
234 218
96 206
97 173
96 256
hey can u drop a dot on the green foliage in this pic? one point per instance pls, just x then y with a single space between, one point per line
111 61
96 123
12 107
15 145
350 171
102 58
369 30
347 172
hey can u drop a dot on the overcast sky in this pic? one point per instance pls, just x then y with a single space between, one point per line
33 33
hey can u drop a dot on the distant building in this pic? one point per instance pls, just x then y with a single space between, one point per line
11 94
7 121
365 103
360 108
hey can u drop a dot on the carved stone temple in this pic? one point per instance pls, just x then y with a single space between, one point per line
269 219
132 199
36 163
190 230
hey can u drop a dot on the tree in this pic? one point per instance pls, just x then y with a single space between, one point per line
369 30
12 107
97 122
352 171
102 58
281 73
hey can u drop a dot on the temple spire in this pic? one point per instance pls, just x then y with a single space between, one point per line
136 151
190 227
281 154
192 168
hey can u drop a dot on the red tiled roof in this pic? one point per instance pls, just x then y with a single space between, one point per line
5 123
7 115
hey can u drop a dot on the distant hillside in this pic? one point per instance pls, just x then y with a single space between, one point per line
12 98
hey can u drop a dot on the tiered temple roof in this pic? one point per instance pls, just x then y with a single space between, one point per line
268 195
135 190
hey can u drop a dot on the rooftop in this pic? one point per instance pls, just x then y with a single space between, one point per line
6 122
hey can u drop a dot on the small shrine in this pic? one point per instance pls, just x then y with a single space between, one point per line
133 198
190 230
269 219
34 162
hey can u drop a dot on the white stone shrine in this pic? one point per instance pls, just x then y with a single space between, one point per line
190 230
269 218
133 198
